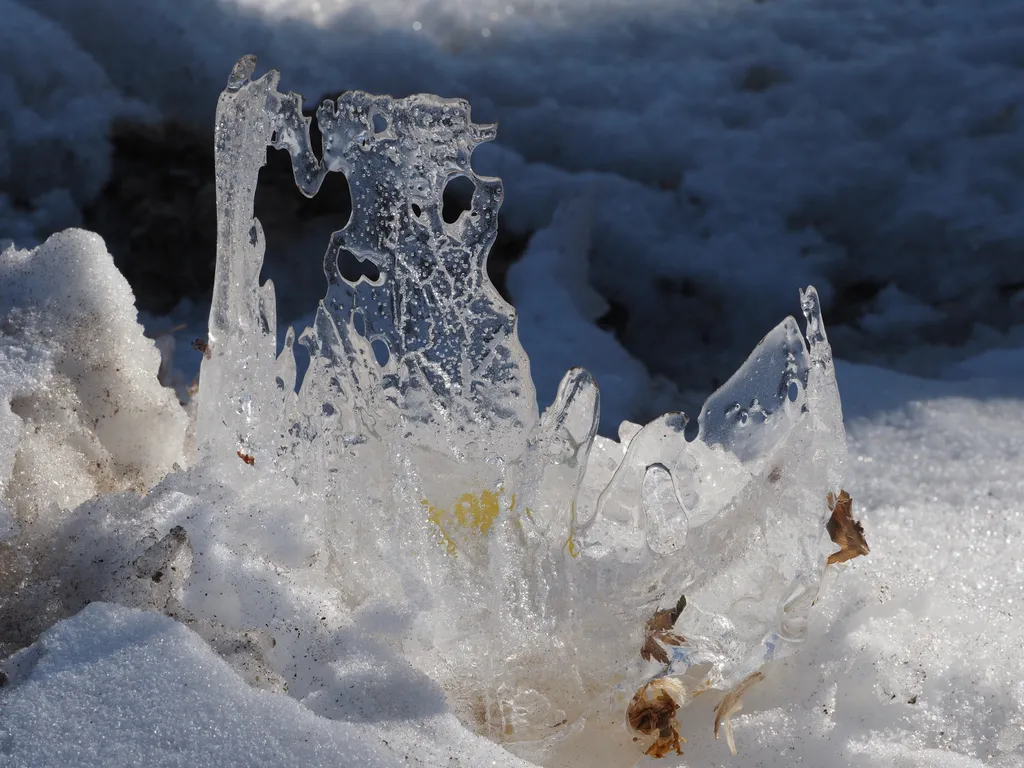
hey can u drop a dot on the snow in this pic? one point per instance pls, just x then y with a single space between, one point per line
81 412
178 703
733 149
557 309
79 380
56 112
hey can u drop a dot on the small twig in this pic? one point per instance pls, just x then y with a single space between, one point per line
730 704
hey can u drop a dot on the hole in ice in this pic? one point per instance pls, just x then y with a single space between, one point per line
359 322
316 136
291 222
381 352
457 197
416 210
301 364
334 199
380 123
691 430
794 391
352 268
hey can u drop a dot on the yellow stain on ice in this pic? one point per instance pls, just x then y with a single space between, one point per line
473 513
571 545
473 516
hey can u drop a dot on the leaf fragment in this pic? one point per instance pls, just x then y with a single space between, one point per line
658 632
844 530
201 345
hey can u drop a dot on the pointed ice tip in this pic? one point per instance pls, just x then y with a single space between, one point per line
817 339
577 405
811 306
808 298
241 72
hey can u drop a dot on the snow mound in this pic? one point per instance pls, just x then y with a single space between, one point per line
94 418
81 410
117 687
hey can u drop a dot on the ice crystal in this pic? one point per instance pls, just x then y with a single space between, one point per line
553 574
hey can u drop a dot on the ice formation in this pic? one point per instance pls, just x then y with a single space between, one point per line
530 554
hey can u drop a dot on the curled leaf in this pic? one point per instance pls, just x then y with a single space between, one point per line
844 530
652 712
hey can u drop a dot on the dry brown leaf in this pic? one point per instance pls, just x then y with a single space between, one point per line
652 650
658 631
246 458
652 712
844 530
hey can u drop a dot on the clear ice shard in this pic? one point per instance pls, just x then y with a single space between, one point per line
536 557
